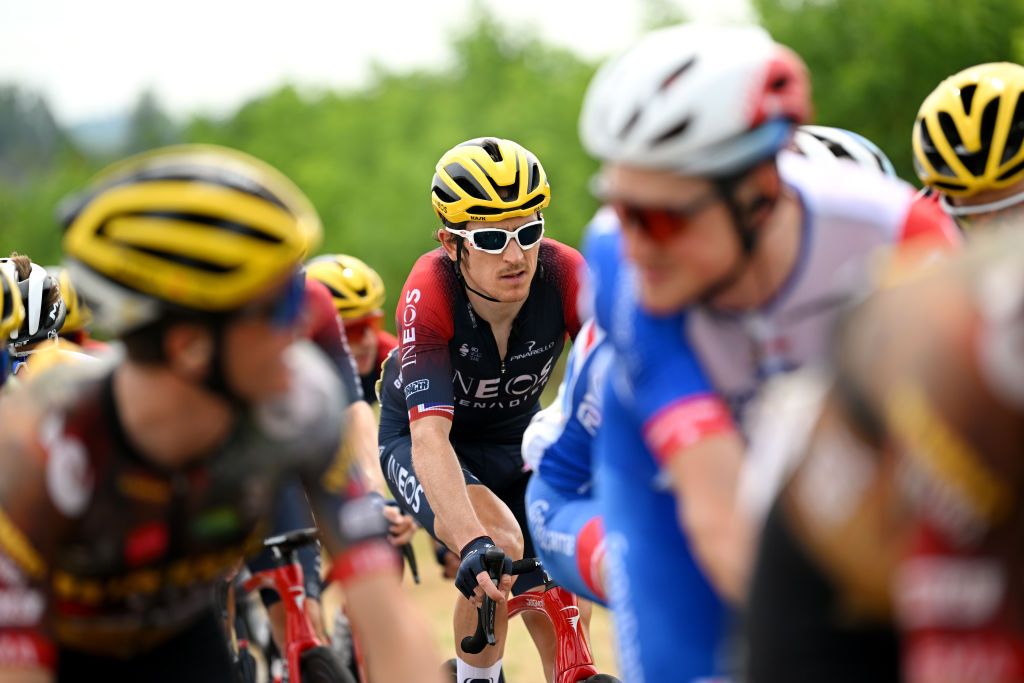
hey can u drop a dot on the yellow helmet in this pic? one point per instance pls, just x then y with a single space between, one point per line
356 288
12 310
193 227
488 179
78 314
969 133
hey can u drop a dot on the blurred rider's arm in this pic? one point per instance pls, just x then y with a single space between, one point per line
30 524
368 570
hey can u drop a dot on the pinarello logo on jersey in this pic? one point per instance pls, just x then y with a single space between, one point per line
532 351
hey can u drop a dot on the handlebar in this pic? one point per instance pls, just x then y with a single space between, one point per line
284 545
484 634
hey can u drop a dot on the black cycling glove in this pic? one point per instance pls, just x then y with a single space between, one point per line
473 564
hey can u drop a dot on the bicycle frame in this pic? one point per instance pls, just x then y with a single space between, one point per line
287 580
573 660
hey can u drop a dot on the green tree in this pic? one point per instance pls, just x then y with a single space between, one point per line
874 61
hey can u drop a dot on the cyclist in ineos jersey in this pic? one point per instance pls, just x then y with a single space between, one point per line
481 322
129 488
721 260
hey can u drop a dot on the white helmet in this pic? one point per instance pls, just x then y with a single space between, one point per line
696 99
825 143
42 320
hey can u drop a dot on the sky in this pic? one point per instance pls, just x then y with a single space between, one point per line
92 59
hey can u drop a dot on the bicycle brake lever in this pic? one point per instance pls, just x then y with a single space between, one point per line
410 556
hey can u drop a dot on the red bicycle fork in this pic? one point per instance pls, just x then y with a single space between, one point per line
573 659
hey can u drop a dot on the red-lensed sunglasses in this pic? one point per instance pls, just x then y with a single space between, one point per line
661 223
356 329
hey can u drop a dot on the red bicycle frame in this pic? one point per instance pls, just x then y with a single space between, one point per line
573 660
287 580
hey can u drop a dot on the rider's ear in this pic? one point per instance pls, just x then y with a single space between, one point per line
189 350
450 243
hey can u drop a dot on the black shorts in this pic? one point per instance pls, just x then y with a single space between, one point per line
498 467
796 628
199 654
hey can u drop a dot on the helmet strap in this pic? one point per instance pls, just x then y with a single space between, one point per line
746 232
459 246
216 380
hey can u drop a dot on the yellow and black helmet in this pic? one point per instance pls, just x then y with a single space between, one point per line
78 315
12 310
969 133
488 179
356 288
195 227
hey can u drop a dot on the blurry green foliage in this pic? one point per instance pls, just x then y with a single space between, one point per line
366 158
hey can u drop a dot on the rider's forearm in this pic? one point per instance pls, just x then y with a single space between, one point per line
361 439
705 478
387 622
441 476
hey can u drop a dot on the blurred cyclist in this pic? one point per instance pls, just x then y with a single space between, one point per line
129 488
563 512
894 553
721 260
12 312
969 144
76 323
358 294
45 310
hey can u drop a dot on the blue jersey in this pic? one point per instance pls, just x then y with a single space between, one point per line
656 401
557 444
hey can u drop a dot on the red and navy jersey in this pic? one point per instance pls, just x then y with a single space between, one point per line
447 362
386 343
324 328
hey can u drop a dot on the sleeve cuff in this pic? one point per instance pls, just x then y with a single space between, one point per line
364 559
431 409
685 423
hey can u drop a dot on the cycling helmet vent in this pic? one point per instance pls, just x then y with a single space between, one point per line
967 97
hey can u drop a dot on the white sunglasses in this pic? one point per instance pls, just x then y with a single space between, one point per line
494 240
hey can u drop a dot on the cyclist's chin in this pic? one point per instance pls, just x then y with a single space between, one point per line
510 295
662 296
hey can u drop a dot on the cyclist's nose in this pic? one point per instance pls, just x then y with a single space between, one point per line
513 252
